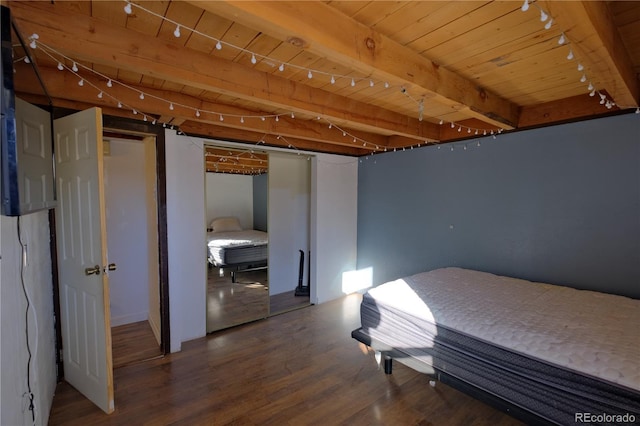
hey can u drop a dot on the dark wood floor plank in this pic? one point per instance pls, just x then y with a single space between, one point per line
133 342
298 368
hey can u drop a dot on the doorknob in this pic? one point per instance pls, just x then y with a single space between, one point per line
111 267
92 271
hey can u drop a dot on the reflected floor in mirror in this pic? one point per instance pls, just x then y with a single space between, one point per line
230 304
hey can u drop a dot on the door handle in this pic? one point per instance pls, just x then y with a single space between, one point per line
111 267
92 271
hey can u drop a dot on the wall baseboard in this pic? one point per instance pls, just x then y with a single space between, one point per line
128 319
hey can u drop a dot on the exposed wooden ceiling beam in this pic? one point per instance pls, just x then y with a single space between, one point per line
105 44
65 85
608 61
327 32
259 139
564 110
249 138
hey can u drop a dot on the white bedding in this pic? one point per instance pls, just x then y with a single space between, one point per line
247 237
593 333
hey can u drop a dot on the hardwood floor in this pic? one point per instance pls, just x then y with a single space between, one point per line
132 343
230 304
298 368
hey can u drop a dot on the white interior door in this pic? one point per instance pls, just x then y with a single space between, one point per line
82 257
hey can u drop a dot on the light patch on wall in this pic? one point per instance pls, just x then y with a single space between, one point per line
357 280
106 147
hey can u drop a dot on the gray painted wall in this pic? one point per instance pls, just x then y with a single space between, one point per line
559 204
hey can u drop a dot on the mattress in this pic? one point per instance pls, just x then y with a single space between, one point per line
568 349
237 247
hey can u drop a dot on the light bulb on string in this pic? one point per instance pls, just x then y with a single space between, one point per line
60 66
27 60
221 117
590 87
218 45
371 83
109 83
353 82
580 67
171 106
386 84
548 24
197 113
281 67
253 59
119 104
543 16
309 75
74 68
333 80
570 55
141 96
127 9
176 33
100 95
81 82
562 39
583 78
525 6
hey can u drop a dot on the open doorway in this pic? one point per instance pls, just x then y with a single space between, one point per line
132 240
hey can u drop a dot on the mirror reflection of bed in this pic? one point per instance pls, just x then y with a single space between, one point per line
237 240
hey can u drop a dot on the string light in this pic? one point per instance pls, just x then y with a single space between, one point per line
310 72
608 103
562 39
543 16
548 24
176 33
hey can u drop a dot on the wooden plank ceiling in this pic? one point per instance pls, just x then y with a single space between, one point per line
348 77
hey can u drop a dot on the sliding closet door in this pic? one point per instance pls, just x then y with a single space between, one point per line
289 213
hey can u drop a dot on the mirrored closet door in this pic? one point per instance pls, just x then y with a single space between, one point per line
237 236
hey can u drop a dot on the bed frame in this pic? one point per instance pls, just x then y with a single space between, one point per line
532 390
386 354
